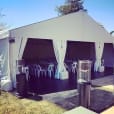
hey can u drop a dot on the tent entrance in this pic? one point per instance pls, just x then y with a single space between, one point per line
77 50
38 50
38 56
108 56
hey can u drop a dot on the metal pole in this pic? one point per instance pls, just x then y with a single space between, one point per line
84 82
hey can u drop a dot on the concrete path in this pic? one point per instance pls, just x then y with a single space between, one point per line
100 99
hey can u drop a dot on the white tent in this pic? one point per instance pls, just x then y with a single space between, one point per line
6 83
77 26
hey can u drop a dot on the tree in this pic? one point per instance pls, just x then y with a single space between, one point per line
112 32
70 6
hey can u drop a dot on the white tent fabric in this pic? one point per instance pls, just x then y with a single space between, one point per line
77 26
6 83
99 51
60 51
4 57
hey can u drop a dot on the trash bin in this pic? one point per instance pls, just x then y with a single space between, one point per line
21 85
21 81
84 82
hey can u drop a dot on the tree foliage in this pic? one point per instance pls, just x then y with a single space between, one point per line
70 6
112 32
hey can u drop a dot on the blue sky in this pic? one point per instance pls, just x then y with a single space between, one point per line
23 12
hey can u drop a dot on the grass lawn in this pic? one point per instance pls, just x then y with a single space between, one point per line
10 104
109 88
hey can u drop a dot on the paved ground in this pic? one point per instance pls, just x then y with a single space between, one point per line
100 99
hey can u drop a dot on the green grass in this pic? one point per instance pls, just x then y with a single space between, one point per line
10 104
109 88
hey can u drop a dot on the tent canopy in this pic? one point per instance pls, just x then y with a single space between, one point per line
4 57
4 53
80 50
77 26
108 55
39 50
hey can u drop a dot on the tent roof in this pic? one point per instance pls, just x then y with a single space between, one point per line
4 34
77 26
